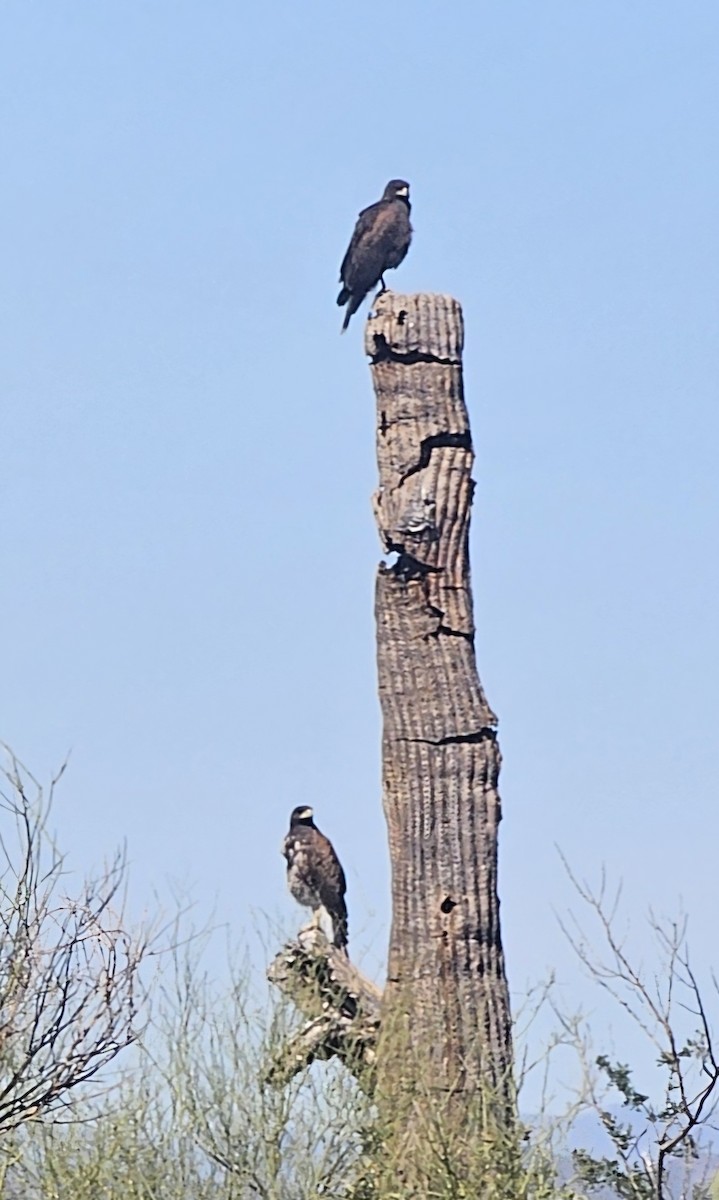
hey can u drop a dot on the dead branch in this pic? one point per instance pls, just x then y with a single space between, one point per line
342 1008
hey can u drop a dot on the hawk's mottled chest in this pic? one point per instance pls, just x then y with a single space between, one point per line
302 871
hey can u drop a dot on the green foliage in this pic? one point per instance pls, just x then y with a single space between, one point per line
442 1153
126 1152
599 1174
630 1172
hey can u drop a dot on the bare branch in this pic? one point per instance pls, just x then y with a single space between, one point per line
671 1012
70 986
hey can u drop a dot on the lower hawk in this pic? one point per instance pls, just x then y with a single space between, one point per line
314 874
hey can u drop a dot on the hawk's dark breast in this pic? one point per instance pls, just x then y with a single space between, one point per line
379 243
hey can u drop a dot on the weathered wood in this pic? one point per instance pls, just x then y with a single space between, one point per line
446 1000
341 1004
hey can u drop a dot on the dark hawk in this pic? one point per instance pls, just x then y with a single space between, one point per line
314 874
379 243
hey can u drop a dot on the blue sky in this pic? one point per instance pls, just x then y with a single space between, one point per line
188 445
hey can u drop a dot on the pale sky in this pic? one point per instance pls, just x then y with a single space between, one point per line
187 443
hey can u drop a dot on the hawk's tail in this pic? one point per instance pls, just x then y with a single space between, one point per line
353 303
340 934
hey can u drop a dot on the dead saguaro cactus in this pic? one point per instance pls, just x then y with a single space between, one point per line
443 1021
445 1004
